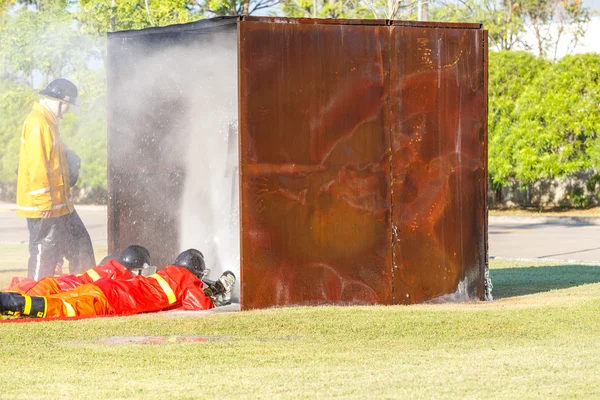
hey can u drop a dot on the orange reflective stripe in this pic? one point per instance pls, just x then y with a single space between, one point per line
27 308
165 287
93 274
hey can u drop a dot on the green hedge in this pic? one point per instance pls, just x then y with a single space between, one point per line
544 118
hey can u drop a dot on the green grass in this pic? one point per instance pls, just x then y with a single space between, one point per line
540 339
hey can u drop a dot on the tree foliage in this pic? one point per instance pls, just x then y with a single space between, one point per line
541 26
510 72
327 9
101 16
15 103
503 20
552 129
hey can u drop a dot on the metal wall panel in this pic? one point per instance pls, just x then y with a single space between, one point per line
363 162
439 175
314 164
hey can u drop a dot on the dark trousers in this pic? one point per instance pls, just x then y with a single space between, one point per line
51 238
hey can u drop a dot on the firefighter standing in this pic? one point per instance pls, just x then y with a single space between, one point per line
43 191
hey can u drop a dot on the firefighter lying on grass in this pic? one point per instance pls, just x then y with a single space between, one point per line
181 284
130 263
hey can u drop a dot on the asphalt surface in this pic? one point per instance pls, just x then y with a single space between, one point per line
545 238
14 229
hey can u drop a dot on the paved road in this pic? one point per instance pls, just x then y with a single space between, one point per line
560 238
14 229
548 238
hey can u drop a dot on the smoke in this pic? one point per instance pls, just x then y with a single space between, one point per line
176 116
210 201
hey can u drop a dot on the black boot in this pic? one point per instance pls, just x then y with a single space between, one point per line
11 303
18 304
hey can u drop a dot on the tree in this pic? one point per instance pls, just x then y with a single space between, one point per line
326 9
553 129
510 74
101 16
552 20
235 7
15 103
41 44
503 20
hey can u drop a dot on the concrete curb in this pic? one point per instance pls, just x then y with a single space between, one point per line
557 220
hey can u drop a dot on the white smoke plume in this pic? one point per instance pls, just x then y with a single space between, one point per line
195 124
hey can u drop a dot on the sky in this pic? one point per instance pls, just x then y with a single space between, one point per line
593 4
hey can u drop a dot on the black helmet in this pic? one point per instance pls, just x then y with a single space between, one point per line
193 260
134 257
61 89
110 257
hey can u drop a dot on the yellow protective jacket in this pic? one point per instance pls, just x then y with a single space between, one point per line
43 181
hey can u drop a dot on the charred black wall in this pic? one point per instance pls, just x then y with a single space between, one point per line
155 77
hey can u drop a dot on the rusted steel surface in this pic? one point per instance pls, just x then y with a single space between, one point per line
364 22
485 151
439 176
316 21
314 164
363 163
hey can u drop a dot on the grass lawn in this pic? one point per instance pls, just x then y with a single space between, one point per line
539 339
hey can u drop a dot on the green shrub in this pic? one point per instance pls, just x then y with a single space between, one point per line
552 129
510 73
15 104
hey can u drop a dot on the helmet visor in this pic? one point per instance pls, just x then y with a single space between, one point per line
145 270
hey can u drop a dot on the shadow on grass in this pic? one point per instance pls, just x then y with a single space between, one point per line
509 282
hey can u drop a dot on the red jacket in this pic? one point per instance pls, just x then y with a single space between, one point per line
171 287
62 283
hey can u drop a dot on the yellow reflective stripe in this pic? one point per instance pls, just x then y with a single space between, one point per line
165 287
70 309
45 307
27 308
39 191
93 274
25 208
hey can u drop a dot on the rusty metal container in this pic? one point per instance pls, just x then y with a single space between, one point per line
362 166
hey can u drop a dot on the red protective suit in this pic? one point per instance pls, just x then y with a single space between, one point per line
171 287
62 283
